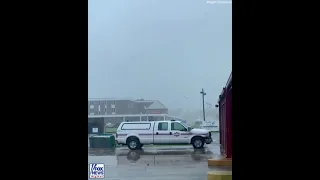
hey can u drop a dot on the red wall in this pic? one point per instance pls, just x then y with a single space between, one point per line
225 120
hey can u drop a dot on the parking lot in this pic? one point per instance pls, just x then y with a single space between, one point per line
156 162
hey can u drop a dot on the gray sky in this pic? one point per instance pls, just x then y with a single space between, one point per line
159 49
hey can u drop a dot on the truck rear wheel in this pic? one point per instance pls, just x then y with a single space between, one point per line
198 143
133 143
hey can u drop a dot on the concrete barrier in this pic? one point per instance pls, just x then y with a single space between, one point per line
220 175
220 162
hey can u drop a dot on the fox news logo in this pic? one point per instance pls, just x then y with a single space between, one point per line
96 171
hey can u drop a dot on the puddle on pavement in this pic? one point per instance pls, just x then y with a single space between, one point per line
150 157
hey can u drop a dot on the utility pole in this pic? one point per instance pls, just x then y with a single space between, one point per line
204 114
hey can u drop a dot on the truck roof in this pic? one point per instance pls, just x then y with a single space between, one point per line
138 122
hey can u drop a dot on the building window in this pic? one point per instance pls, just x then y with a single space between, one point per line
95 130
91 106
91 113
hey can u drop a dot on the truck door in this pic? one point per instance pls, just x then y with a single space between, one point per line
180 134
161 133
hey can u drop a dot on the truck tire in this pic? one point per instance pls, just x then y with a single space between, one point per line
133 143
198 143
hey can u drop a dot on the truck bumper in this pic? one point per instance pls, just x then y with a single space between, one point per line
208 140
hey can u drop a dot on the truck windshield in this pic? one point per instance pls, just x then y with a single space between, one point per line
186 126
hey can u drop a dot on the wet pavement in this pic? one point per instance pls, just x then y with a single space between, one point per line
156 162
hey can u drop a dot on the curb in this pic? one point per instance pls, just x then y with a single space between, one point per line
220 175
219 162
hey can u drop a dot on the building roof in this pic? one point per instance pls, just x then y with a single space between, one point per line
151 104
120 99
228 85
229 82
109 99
156 105
147 101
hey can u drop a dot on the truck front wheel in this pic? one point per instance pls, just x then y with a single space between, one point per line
133 143
197 143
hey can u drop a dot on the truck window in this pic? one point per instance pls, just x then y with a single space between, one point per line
175 126
163 126
136 126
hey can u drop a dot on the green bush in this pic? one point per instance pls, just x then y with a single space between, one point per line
110 130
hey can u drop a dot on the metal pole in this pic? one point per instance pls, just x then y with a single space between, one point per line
203 110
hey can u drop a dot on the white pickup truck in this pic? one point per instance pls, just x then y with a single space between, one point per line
137 134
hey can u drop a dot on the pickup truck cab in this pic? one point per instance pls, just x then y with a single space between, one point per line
137 134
